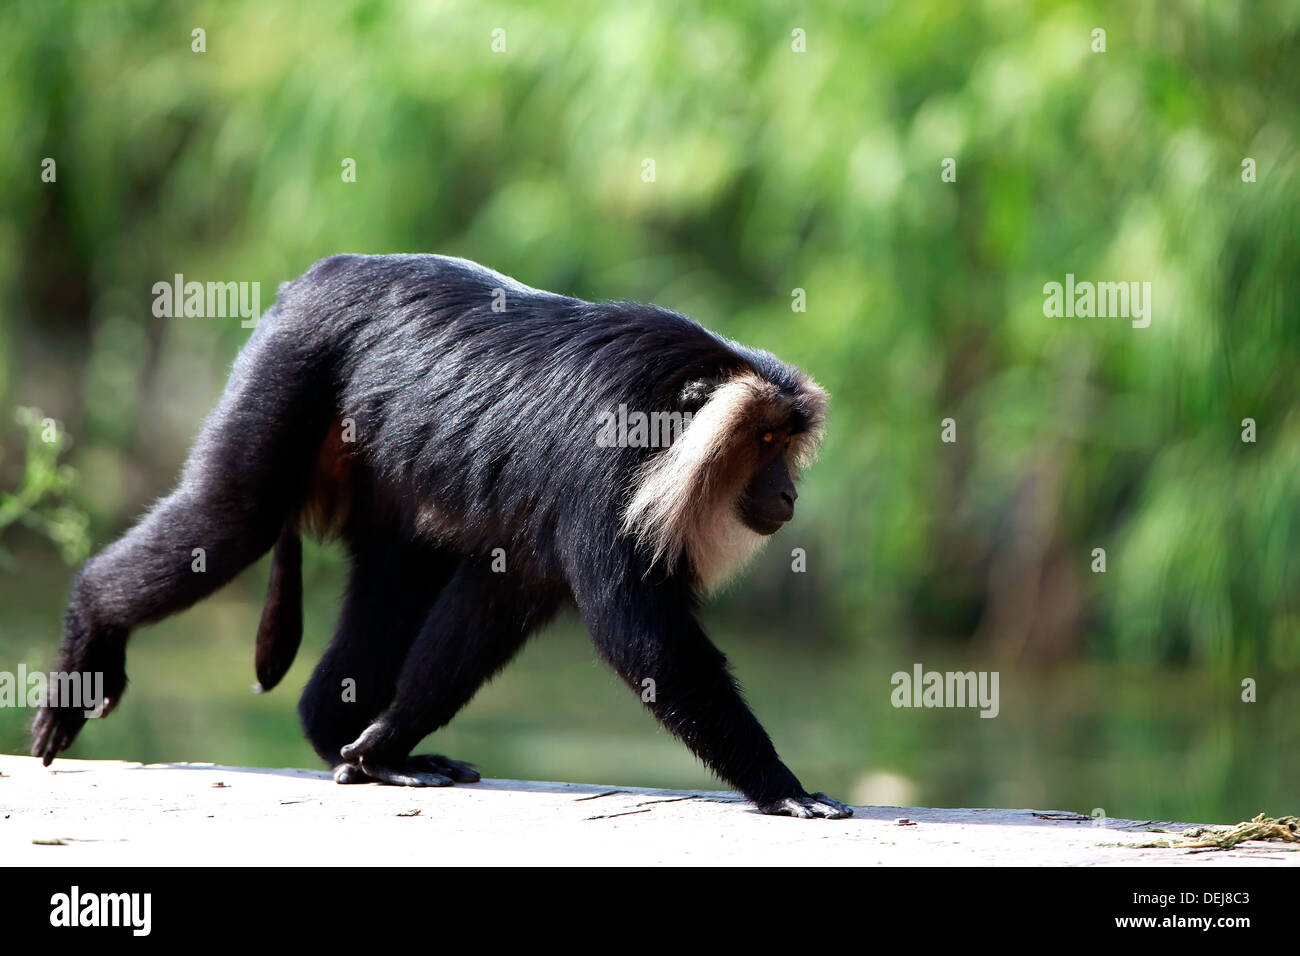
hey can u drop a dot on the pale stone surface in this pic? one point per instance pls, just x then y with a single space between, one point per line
113 813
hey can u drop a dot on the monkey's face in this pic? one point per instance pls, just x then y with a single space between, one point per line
727 482
768 499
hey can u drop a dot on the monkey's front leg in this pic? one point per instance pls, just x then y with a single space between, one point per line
476 625
655 644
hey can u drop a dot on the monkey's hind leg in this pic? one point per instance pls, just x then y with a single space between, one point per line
478 623
248 470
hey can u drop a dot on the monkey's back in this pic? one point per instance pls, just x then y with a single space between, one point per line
477 398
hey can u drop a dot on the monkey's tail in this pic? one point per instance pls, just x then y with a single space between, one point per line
280 631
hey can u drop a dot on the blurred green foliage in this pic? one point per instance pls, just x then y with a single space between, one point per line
776 170
36 502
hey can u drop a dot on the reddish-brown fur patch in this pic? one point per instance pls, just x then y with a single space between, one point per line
330 498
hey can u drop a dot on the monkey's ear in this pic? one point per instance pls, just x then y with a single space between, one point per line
694 394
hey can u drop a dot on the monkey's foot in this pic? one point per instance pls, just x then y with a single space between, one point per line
55 728
808 807
101 660
53 732
420 770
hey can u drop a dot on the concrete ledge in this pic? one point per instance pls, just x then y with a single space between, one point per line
87 813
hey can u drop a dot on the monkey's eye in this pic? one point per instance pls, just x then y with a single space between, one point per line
767 438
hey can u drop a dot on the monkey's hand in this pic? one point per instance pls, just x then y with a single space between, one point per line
807 807
372 757
84 685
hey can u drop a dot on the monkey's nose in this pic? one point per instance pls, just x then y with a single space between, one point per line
787 505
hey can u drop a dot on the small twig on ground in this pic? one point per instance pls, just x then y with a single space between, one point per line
1286 829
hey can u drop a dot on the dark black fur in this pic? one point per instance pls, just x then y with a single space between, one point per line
474 431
